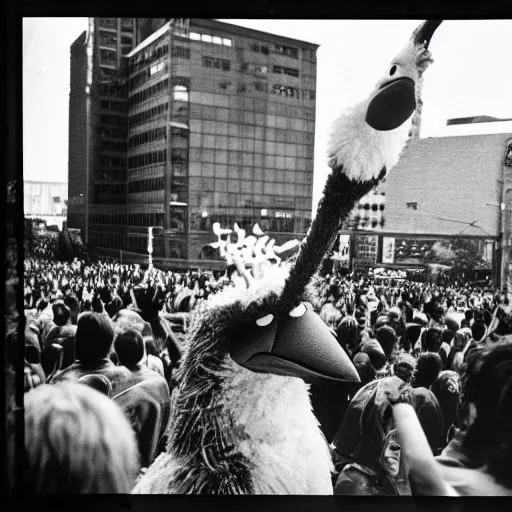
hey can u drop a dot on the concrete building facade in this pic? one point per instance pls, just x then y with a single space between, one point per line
219 128
98 127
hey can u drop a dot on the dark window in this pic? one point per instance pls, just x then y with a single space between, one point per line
412 206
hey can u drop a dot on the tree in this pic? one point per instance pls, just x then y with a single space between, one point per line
462 254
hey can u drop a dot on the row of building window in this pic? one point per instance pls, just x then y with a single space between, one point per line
180 113
308 55
117 121
146 185
249 147
209 171
178 156
260 48
278 89
149 92
156 135
111 91
149 115
107 73
109 175
153 157
198 126
216 63
147 57
114 106
108 57
207 38
126 23
143 76
279 225
109 40
260 68
270 161
113 219
109 145
112 133
110 161
145 219
289 51
110 189
249 187
285 71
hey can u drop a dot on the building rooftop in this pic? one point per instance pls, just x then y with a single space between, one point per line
153 37
226 27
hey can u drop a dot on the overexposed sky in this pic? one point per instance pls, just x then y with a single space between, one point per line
471 76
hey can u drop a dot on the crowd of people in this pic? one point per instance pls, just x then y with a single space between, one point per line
103 341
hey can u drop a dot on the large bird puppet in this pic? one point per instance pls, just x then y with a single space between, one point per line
242 421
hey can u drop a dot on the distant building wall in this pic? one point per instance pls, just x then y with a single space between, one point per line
43 198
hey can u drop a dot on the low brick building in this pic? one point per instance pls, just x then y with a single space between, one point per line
443 187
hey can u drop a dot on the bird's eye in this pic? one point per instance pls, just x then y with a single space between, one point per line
298 311
266 320
392 71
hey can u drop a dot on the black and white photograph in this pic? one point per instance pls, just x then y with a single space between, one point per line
261 257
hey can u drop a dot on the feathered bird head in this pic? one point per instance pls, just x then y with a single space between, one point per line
247 344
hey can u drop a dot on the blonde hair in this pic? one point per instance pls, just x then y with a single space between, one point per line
77 441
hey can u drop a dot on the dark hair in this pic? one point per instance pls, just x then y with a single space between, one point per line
446 389
347 332
427 369
364 368
387 338
129 347
94 337
404 367
431 339
447 336
478 331
488 385
61 314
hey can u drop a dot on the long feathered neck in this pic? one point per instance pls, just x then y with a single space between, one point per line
360 157
340 196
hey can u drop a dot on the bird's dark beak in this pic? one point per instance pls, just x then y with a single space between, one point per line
301 347
392 105
424 33
395 101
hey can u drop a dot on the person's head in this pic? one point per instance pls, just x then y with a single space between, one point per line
364 368
71 302
378 448
427 369
77 441
478 331
404 367
114 306
446 389
61 313
431 339
94 337
347 332
447 336
387 338
391 452
375 353
129 347
487 393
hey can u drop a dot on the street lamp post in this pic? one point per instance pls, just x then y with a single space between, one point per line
150 247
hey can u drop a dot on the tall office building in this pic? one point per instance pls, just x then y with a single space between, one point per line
220 129
98 127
